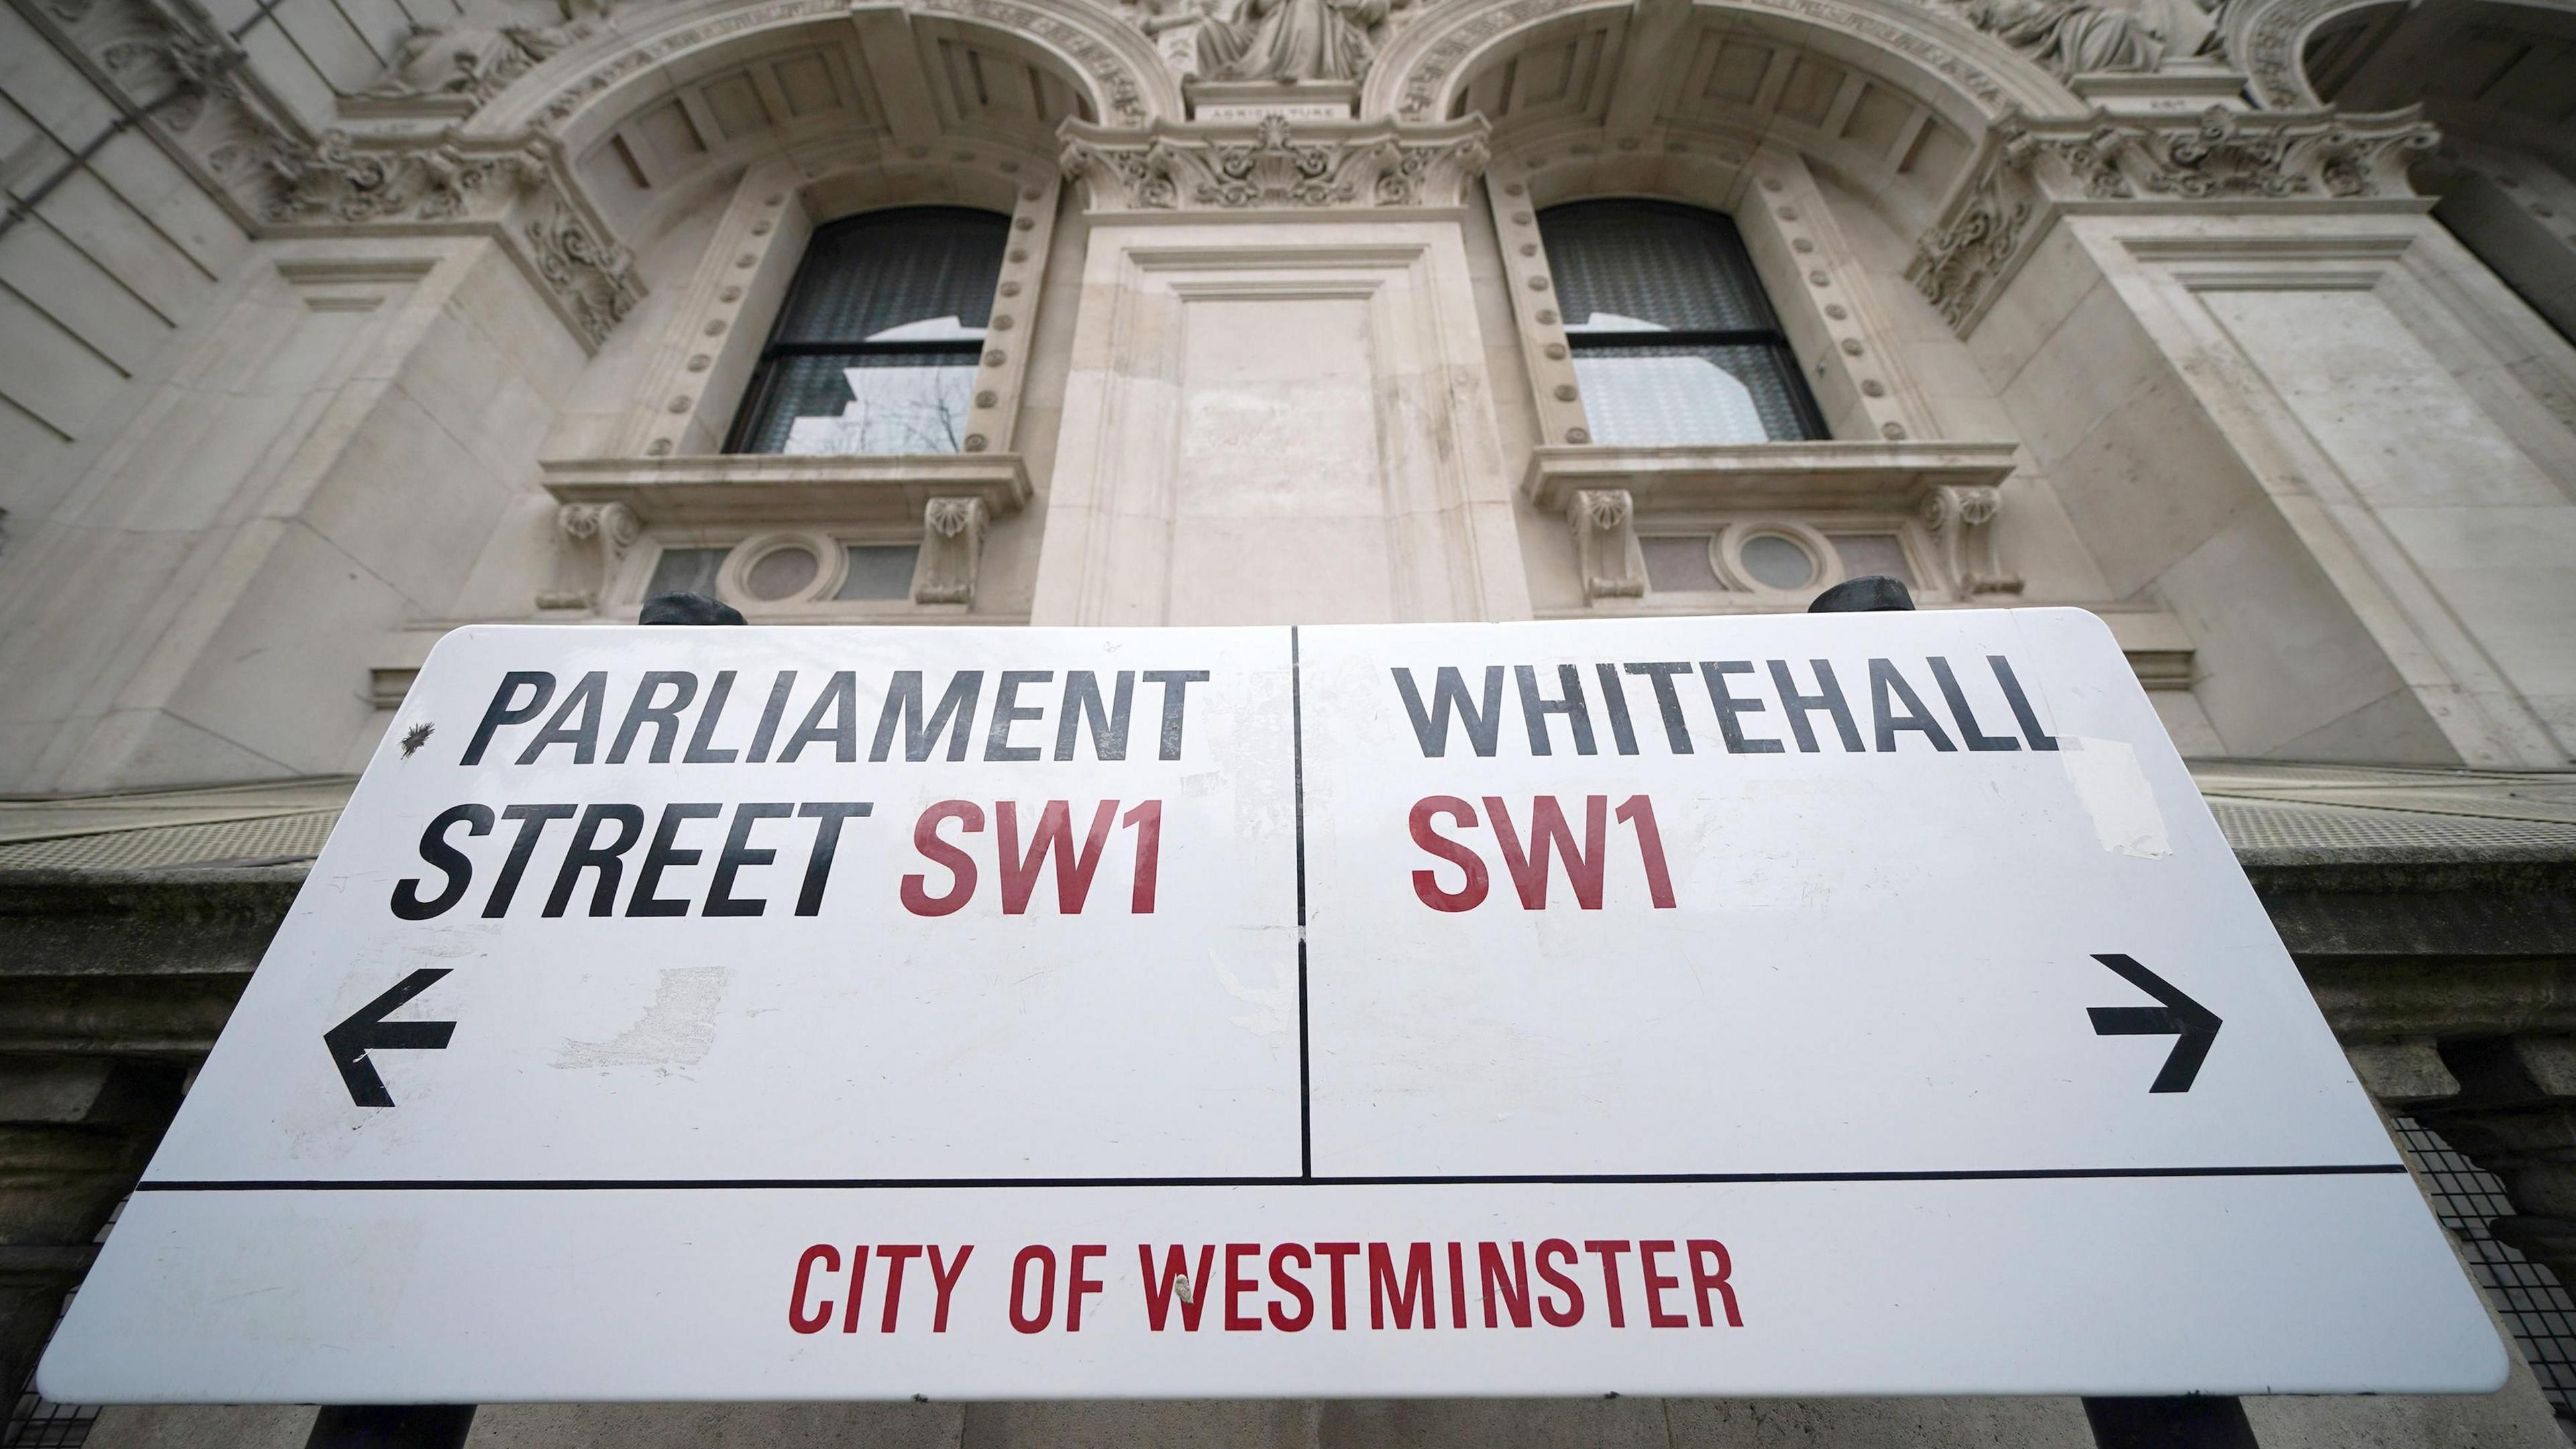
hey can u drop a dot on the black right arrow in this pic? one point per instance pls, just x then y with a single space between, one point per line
2180 1016
367 1028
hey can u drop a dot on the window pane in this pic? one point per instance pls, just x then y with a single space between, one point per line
1650 395
841 403
1777 562
880 571
686 571
1873 553
1652 264
1678 565
870 273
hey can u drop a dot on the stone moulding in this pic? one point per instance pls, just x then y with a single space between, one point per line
515 189
1420 68
1127 81
1606 490
1274 164
2223 160
747 490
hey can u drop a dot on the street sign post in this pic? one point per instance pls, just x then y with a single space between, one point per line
1858 1004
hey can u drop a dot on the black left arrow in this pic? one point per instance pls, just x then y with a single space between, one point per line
367 1029
2180 1016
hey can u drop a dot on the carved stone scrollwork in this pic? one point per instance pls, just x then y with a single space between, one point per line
592 542
952 549
469 64
1274 164
1961 520
511 187
2129 162
1605 543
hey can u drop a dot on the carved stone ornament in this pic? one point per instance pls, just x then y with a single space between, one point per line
1274 164
1291 40
1961 519
1414 71
470 62
2091 37
2222 156
1605 543
1118 81
511 187
952 550
593 539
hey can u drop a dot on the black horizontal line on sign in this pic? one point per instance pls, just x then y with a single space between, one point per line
707 1184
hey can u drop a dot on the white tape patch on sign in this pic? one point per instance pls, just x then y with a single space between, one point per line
1858 1004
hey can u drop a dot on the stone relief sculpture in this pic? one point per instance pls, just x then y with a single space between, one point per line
2075 37
1291 40
470 60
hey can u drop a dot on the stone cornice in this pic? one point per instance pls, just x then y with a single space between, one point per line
1274 164
2222 161
515 189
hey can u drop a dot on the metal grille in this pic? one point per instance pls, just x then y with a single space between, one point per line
2539 1312
269 840
2258 825
1673 340
37 1422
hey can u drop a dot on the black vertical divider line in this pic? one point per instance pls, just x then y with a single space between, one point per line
1297 753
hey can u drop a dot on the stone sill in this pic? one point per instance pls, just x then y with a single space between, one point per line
757 489
1885 476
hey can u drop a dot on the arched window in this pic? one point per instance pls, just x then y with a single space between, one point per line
1673 340
875 349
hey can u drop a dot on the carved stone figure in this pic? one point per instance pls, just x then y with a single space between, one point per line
1291 40
474 61
2074 37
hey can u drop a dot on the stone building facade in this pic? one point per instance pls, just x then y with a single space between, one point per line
327 325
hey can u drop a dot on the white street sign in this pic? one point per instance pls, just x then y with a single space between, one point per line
1859 1004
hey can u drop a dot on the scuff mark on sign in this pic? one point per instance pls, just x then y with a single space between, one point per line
677 1030
2115 794
1278 1001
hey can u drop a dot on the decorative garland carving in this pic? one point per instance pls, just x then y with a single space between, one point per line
337 181
1272 163
2222 155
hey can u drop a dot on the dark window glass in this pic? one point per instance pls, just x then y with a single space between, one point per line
880 571
1672 338
686 571
875 349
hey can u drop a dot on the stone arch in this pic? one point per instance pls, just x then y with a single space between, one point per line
1114 68
2268 37
1945 61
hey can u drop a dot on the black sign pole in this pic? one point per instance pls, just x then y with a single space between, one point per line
2195 1422
391 1426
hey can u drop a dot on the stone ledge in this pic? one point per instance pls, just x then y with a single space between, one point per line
755 489
1895 477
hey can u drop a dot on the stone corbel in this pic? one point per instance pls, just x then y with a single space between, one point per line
592 540
1961 519
952 548
1605 544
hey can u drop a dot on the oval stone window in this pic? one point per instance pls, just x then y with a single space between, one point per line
782 573
1777 562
